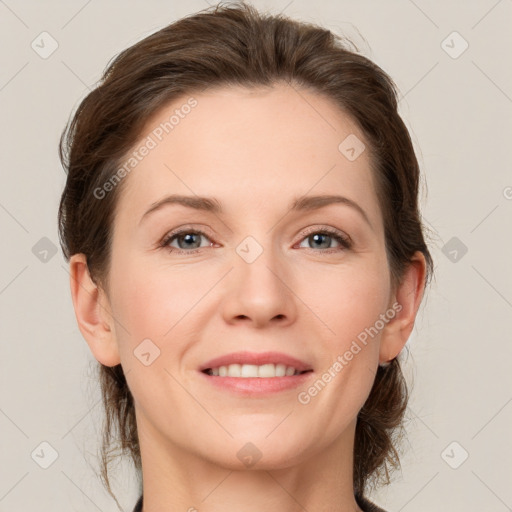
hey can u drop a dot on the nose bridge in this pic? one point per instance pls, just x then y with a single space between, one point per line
260 264
258 287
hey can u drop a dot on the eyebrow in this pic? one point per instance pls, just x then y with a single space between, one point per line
207 204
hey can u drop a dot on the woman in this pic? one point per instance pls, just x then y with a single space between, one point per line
247 260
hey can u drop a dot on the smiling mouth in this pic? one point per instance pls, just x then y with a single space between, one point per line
264 371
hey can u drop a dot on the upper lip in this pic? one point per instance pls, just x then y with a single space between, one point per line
256 359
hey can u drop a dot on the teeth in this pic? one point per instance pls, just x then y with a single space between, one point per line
252 370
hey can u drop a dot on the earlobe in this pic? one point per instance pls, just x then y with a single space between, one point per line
406 302
92 312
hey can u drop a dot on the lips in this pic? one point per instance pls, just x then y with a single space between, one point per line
257 359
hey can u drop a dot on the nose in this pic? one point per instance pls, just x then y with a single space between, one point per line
259 293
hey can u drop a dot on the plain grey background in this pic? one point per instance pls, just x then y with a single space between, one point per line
451 62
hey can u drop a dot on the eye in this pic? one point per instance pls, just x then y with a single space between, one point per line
189 241
323 239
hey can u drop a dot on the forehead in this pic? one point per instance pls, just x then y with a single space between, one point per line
249 147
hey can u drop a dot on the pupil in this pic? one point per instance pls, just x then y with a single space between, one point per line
316 237
189 238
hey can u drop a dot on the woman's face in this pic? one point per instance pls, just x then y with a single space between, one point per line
249 273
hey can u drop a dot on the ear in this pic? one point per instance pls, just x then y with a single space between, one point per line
406 301
92 311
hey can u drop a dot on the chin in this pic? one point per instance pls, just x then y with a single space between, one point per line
257 450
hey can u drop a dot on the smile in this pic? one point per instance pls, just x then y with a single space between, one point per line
251 370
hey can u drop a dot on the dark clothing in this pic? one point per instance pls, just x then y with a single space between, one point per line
366 505
138 506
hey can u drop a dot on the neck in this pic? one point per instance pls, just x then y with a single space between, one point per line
176 478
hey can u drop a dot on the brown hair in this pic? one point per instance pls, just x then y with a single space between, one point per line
237 45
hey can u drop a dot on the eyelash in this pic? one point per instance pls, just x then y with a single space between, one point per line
343 240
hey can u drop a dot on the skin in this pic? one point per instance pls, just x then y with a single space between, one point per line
254 151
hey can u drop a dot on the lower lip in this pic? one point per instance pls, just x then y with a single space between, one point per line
257 385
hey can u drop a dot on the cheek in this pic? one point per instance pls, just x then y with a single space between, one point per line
345 300
348 302
161 302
